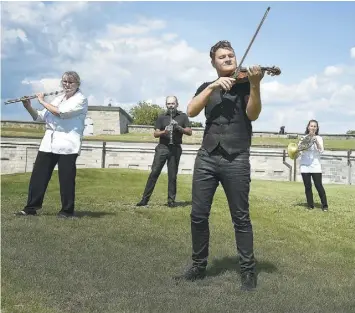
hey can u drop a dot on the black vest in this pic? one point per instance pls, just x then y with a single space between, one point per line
227 123
164 120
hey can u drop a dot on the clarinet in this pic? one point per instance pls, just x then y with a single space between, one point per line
171 127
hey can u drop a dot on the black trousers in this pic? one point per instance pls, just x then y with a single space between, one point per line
317 179
234 175
163 153
42 173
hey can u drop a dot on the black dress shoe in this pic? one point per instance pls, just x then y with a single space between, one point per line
25 213
248 280
192 274
171 204
142 203
325 208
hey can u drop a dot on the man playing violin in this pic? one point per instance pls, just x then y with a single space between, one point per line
230 107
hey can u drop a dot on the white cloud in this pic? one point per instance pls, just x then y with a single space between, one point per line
329 93
332 70
38 13
43 85
352 52
11 35
144 60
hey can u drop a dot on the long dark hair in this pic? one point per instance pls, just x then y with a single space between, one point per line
317 131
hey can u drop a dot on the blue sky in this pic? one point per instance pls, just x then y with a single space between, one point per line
134 51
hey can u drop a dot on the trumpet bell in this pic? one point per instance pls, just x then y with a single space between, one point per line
292 150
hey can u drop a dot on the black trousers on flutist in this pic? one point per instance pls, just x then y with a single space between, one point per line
163 153
234 174
317 179
42 173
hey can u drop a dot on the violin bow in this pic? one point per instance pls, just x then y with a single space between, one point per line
235 75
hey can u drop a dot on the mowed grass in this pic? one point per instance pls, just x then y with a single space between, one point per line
336 144
119 258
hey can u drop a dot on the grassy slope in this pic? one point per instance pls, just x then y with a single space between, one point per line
120 259
147 137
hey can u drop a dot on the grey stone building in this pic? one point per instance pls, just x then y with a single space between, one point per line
106 120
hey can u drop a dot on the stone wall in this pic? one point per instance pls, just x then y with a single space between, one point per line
198 131
18 156
102 120
23 124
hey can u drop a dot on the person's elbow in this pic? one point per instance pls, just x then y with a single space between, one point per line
190 112
253 116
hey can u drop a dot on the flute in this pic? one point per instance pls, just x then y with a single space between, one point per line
33 97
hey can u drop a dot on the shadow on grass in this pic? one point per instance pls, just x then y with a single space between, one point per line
81 214
305 205
220 266
182 203
95 214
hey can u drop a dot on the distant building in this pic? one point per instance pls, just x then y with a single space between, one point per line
106 120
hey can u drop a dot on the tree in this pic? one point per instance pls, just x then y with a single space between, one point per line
196 124
145 113
350 132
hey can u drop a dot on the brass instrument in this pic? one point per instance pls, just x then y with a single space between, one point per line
294 149
54 93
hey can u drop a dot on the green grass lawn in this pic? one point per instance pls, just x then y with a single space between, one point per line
335 144
117 258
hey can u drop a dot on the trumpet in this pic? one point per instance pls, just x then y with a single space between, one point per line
294 149
54 93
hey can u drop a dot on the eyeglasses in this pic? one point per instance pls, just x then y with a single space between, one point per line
68 82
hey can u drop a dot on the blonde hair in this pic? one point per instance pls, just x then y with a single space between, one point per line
73 75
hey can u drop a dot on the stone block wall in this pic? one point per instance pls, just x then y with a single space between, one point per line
266 163
23 124
198 131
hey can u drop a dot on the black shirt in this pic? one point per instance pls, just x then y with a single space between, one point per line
227 123
163 120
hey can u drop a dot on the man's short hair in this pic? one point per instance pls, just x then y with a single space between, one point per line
176 99
224 44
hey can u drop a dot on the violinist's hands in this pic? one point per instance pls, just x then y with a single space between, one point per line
225 83
255 74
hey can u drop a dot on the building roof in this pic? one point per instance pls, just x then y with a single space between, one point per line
110 108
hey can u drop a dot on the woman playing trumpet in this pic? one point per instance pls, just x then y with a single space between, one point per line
61 144
311 167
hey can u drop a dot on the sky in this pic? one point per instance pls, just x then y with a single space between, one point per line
127 52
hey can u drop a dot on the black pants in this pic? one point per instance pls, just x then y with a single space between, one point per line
42 173
234 175
317 179
163 153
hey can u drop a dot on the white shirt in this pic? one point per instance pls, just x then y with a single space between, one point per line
310 159
64 132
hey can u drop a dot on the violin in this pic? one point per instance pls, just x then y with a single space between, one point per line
242 75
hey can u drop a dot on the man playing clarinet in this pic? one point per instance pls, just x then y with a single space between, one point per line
169 128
